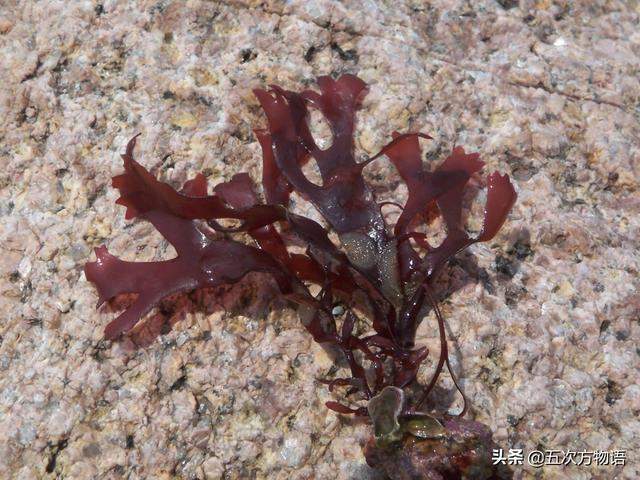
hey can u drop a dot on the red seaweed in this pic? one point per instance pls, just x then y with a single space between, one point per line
375 268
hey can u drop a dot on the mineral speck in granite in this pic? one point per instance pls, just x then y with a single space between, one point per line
544 320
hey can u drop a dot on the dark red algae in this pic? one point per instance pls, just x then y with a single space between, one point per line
383 272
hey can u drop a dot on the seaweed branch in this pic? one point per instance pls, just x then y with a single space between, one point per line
384 272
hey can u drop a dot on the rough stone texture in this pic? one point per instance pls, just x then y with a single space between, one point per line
543 320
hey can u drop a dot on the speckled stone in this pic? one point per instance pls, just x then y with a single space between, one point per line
543 320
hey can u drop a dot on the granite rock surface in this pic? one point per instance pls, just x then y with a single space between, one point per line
543 321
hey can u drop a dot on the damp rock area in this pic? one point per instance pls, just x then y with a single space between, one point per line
543 321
